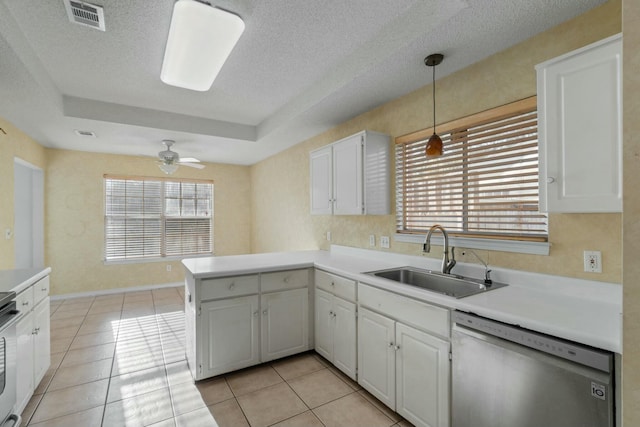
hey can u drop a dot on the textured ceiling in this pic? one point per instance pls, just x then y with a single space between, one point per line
301 67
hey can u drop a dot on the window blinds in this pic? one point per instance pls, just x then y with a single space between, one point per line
486 183
148 218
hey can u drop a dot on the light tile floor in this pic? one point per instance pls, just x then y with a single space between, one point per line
118 360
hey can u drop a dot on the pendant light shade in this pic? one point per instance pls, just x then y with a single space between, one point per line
434 145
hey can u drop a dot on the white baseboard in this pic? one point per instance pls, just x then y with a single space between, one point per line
116 291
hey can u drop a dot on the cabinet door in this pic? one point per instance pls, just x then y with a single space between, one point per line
321 182
348 176
376 356
230 337
42 340
324 324
285 323
24 367
580 130
422 377
344 336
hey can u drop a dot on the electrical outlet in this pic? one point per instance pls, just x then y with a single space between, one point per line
384 242
593 261
168 267
372 239
328 235
8 234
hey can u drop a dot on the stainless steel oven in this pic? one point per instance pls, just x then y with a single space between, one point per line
8 348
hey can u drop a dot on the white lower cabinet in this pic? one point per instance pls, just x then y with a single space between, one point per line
377 356
230 334
285 323
33 340
335 330
236 322
24 368
406 368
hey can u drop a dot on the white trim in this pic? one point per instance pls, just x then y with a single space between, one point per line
534 248
23 162
115 291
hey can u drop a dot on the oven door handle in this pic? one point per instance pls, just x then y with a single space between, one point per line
17 421
15 315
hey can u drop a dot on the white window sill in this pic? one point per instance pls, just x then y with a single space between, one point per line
533 248
152 260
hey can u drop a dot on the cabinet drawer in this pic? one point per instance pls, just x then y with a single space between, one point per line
40 290
337 285
283 280
228 287
24 300
421 315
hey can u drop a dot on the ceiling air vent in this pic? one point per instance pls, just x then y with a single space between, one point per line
85 133
86 14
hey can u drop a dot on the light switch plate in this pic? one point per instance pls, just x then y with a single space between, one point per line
384 242
372 239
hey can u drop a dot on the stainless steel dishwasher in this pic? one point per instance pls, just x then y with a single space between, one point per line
507 376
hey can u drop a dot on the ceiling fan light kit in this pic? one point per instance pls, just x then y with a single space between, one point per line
434 144
201 38
170 160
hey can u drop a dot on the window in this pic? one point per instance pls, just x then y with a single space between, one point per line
486 183
153 217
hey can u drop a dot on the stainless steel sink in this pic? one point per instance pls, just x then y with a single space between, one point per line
447 284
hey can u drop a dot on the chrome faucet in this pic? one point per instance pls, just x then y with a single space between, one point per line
447 265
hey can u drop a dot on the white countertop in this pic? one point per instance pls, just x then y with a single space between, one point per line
578 310
19 279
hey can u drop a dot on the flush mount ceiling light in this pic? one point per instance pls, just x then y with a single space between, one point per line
434 145
201 37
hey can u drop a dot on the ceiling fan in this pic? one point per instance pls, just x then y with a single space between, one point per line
170 160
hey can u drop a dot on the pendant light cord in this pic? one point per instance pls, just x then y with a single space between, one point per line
433 84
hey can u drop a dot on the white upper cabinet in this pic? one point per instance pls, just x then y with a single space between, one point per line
351 176
321 182
580 129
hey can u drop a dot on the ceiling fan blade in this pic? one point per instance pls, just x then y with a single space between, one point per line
192 165
189 160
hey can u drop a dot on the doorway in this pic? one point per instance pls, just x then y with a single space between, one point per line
28 229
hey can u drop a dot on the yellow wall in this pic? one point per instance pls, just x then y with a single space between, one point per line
13 144
631 215
280 184
75 219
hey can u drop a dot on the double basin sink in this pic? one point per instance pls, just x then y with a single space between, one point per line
447 284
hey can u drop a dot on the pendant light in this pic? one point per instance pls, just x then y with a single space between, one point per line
434 145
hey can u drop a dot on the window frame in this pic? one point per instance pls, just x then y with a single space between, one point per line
163 220
523 243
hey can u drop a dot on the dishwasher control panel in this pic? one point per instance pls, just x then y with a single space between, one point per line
595 358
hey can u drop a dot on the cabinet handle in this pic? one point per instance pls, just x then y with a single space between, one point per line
286 279
550 180
330 313
264 312
44 289
25 302
333 283
391 344
255 313
397 347
232 285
